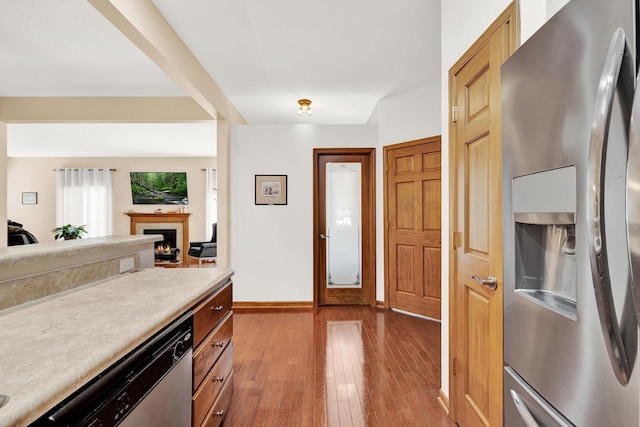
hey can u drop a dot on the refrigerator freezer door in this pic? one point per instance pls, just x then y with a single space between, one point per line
526 408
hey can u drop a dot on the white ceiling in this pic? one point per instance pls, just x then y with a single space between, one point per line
67 48
343 55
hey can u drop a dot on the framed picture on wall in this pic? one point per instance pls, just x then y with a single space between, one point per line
271 190
30 198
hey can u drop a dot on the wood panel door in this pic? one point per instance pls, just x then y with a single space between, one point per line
476 182
413 177
357 287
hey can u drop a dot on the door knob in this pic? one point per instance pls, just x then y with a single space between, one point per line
324 236
491 282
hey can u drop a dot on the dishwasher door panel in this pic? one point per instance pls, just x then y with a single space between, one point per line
168 404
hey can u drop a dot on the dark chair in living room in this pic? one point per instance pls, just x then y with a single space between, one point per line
16 235
205 251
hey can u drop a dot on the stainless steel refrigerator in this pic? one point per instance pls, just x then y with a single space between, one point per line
569 137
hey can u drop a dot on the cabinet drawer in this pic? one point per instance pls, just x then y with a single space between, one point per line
219 410
209 313
206 354
211 386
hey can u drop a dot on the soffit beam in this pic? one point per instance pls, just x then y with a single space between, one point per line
101 109
142 23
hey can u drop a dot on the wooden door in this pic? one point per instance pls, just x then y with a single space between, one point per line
359 289
476 164
413 178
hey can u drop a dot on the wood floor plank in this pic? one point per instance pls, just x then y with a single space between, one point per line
335 366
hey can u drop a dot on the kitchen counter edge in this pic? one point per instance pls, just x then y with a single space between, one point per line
53 348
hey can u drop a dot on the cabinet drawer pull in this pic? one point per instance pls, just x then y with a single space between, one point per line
218 344
219 413
218 379
218 308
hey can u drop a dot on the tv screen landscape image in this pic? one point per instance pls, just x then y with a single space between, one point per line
159 188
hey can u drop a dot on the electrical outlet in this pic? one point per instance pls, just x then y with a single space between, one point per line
126 265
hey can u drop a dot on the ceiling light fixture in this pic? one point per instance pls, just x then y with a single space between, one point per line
305 107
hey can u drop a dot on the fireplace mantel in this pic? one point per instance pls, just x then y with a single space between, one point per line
177 218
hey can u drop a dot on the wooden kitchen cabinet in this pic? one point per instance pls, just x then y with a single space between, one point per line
213 418
212 358
212 347
208 313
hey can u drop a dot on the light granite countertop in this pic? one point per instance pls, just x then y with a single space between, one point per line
51 347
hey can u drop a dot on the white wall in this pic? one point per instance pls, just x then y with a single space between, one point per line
272 246
554 6
535 12
462 22
36 174
410 115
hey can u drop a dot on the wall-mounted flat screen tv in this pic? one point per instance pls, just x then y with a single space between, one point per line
159 188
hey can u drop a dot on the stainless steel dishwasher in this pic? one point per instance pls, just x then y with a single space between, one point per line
149 387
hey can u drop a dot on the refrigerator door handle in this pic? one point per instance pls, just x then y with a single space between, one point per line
633 198
523 410
611 73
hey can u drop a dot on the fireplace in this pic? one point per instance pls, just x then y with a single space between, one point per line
167 249
155 223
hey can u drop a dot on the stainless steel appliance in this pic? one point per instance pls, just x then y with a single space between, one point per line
570 325
150 387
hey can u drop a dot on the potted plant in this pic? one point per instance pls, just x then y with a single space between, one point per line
69 232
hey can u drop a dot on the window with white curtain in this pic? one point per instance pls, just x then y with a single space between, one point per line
84 197
211 209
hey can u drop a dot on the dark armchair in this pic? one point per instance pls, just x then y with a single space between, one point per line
205 251
16 235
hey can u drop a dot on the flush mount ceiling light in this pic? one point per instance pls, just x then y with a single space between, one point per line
305 107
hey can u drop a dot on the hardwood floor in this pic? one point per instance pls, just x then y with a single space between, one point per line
336 366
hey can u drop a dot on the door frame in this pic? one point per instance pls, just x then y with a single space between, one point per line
385 201
510 14
369 221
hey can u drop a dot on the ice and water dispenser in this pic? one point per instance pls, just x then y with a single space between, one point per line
544 211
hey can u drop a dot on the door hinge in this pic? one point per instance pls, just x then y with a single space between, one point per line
387 224
454 113
455 239
453 365
386 166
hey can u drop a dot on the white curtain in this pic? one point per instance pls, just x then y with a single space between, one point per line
84 196
211 209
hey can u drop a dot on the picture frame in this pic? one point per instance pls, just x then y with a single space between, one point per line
30 198
271 190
